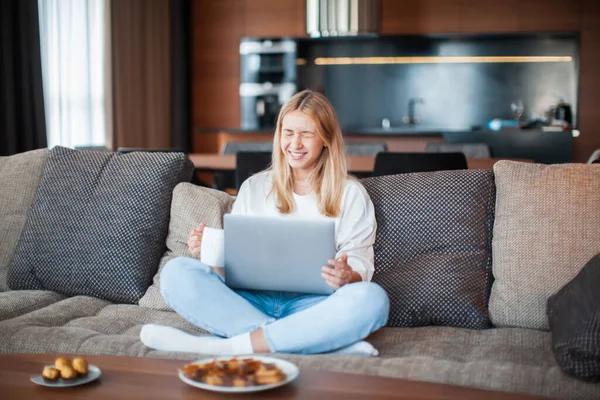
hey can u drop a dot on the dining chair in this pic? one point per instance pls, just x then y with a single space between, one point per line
236 147
365 148
471 150
595 157
391 163
248 163
227 179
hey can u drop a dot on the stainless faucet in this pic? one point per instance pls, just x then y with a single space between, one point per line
411 118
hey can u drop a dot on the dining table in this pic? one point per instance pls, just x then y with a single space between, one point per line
209 162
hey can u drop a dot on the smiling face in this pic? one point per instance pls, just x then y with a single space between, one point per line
300 142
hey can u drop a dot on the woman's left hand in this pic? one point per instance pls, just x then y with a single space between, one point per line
341 274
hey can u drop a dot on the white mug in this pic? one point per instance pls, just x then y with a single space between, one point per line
212 250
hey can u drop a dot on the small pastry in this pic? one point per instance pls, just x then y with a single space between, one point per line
239 382
80 365
50 374
213 380
67 372
62 362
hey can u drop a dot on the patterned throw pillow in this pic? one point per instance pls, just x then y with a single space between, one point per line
20 176
98 223
547 226
433 246
191 205
574 317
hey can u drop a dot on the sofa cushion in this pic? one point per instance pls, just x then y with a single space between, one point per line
98 223
574 317
19 178
85 325
507 359
433 246
547 227
191 205
18 302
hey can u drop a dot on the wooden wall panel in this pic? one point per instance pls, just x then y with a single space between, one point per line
477 16
216 93
217 26
549 15
217 29
419 16
275 18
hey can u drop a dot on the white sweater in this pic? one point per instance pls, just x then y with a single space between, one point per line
354 228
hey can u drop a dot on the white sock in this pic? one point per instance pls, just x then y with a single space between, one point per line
166 338
360 348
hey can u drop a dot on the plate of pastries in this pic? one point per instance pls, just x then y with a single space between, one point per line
67 372
238 374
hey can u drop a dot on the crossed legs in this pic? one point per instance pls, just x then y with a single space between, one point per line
311 324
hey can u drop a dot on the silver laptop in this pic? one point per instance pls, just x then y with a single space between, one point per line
270 253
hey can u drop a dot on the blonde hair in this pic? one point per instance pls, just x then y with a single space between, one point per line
328 178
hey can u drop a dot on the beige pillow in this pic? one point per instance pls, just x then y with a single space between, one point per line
191 205
19 178
547 227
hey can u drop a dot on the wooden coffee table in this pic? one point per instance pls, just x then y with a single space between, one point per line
151 378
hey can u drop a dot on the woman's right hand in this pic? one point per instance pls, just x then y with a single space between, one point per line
195 240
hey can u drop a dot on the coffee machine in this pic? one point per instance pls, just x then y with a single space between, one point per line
268 80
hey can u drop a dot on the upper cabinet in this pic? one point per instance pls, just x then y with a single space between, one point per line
275 18
478 16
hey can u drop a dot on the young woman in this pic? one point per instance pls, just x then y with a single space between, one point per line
308 179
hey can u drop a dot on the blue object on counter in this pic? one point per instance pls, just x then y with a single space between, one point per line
497 124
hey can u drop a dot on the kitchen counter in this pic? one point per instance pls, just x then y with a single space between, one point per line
541 146
400 130
361 164
538 145
404 130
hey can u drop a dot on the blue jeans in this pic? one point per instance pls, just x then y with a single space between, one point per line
291 322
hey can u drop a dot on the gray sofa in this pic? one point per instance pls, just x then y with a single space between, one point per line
540 230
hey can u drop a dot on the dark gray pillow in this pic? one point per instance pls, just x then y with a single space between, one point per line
574 317
433 246
98 223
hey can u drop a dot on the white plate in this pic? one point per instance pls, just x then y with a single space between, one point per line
289 369
93 374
